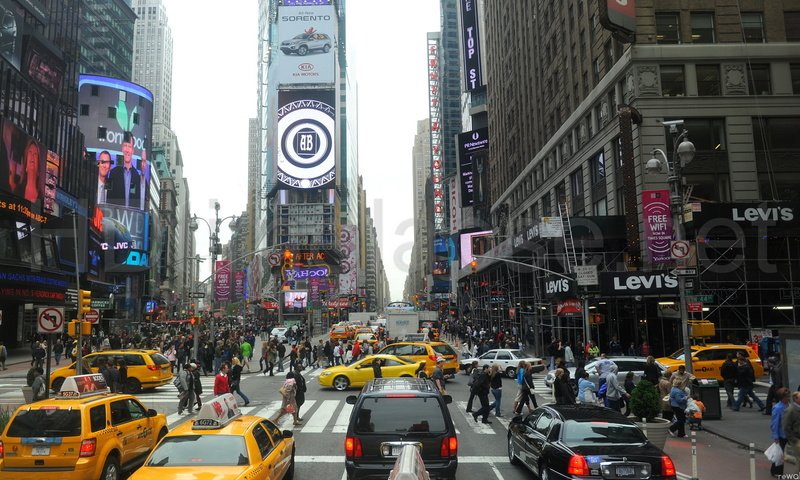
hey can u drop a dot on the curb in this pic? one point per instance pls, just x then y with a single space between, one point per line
714 431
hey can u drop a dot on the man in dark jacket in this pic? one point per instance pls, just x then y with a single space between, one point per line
728 373
198 385
775 380
481 389
745 379
376 368
300 394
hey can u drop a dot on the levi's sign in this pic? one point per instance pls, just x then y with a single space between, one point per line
557 287
637 283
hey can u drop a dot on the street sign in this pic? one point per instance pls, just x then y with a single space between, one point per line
586 274
684 272
92 316
101 303
50 320
679 249
694 307
197 295
704 298
274 259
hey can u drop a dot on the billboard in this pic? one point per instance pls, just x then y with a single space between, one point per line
295 301
470 46
306 130
474 243
657 221
307 41
435 115
22 173
238 285
222 280
11 33
348 268
470 145
116 118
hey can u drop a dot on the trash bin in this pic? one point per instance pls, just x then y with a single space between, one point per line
708 391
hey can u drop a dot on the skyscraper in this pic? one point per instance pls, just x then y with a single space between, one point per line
107 38
152 59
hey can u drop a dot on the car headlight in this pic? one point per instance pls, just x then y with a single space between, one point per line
325 374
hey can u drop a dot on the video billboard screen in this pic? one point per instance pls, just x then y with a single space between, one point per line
306 129
307 37
11 31
295 301
470 145
474 243
22 173
116 118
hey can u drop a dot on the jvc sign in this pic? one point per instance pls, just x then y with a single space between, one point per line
623 284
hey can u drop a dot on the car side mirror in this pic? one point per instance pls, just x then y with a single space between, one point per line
288 434
357 367
151 412
447 399
351 399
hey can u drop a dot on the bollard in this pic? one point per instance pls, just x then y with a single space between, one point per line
644 427
752 461
694 456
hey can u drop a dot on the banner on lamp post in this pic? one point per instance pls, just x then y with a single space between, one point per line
657 220
222 280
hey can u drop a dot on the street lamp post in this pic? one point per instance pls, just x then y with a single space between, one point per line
683 153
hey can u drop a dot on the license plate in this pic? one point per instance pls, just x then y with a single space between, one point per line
40 451
397 450
625 471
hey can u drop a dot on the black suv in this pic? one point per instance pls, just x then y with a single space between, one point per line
391 413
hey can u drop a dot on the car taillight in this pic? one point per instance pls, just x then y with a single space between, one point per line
667 467
352 448
577 466
154 368
2 449
88 447
449 447
432 358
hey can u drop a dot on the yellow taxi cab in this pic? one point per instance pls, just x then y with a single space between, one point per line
85 432
146 368
359 373
222 443
427 352
341 332
707 359
365 337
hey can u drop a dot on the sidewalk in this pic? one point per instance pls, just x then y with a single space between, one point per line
742 427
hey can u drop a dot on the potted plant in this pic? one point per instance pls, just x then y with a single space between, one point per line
646 404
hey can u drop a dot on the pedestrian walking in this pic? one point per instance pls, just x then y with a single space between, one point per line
221 384
39 354
3 355
562 391
38 386
246 352
651 371
122 368
569 357
473 376
775 381
682 375
272 357
520 384
58 351
615 393
288 404
586 390
481 388
337 354
664 389
438 376
791 427
678 401
300 394
281 355
376 368
185 389
496 385
778 435
198 385
745 380
235 380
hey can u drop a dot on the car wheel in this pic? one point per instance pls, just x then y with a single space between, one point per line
512 457
341 383
326 48
133 386
302 50
111 469
56 384
290 473
511 372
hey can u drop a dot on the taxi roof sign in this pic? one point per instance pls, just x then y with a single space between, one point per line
217 413
79 386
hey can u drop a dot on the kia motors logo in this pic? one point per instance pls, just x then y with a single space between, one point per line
305 67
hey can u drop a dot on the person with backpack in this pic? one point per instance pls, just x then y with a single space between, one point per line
473 375
38 386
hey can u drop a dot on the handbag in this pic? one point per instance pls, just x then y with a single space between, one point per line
290 408
774 454
589 396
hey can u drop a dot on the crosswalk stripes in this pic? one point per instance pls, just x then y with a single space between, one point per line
477 427
321 417
340 426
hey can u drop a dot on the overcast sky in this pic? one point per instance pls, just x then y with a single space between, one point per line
214 95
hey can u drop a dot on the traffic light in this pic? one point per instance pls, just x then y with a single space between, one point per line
84 303
474 265
74 326
193 321
288 259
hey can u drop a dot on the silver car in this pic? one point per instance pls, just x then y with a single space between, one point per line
506 358
305 42
624 365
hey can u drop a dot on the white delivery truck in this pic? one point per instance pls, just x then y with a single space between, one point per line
399 324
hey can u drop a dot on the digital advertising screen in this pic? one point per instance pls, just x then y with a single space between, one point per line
11 31
295 301
116 118
470 145
306 147
474 243
307 37
22 174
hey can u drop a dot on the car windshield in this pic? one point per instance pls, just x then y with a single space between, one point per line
159 359
517 354
444 349
302 36
400 415
213 450
591 432
678 355
46 423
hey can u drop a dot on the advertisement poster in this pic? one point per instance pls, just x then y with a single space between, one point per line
470 44
222 280
434 114
22 172
348 269
306 146
238 285
295 301
51 183
657 220
307 38
470 145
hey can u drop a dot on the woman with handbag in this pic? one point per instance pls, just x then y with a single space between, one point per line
235 380
289 405
528 395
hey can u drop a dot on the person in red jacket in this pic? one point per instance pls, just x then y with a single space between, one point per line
221 380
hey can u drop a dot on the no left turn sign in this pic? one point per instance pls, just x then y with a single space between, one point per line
274 259
50 320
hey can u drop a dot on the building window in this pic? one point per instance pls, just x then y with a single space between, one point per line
620 201
598 168
759 79
596 71
702 27
600 207
547 207
672 81
708 80
576 183
667 28
753 27
795 67
791 21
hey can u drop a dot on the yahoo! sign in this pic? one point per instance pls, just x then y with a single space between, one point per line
302 273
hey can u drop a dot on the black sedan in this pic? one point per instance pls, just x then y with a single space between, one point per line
580 441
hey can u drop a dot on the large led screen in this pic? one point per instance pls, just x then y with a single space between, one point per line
306 147
22 173
307 37
475 243
116 118
295 301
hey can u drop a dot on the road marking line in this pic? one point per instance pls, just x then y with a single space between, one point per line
343 419
321 417
270 410
477 427
496 471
